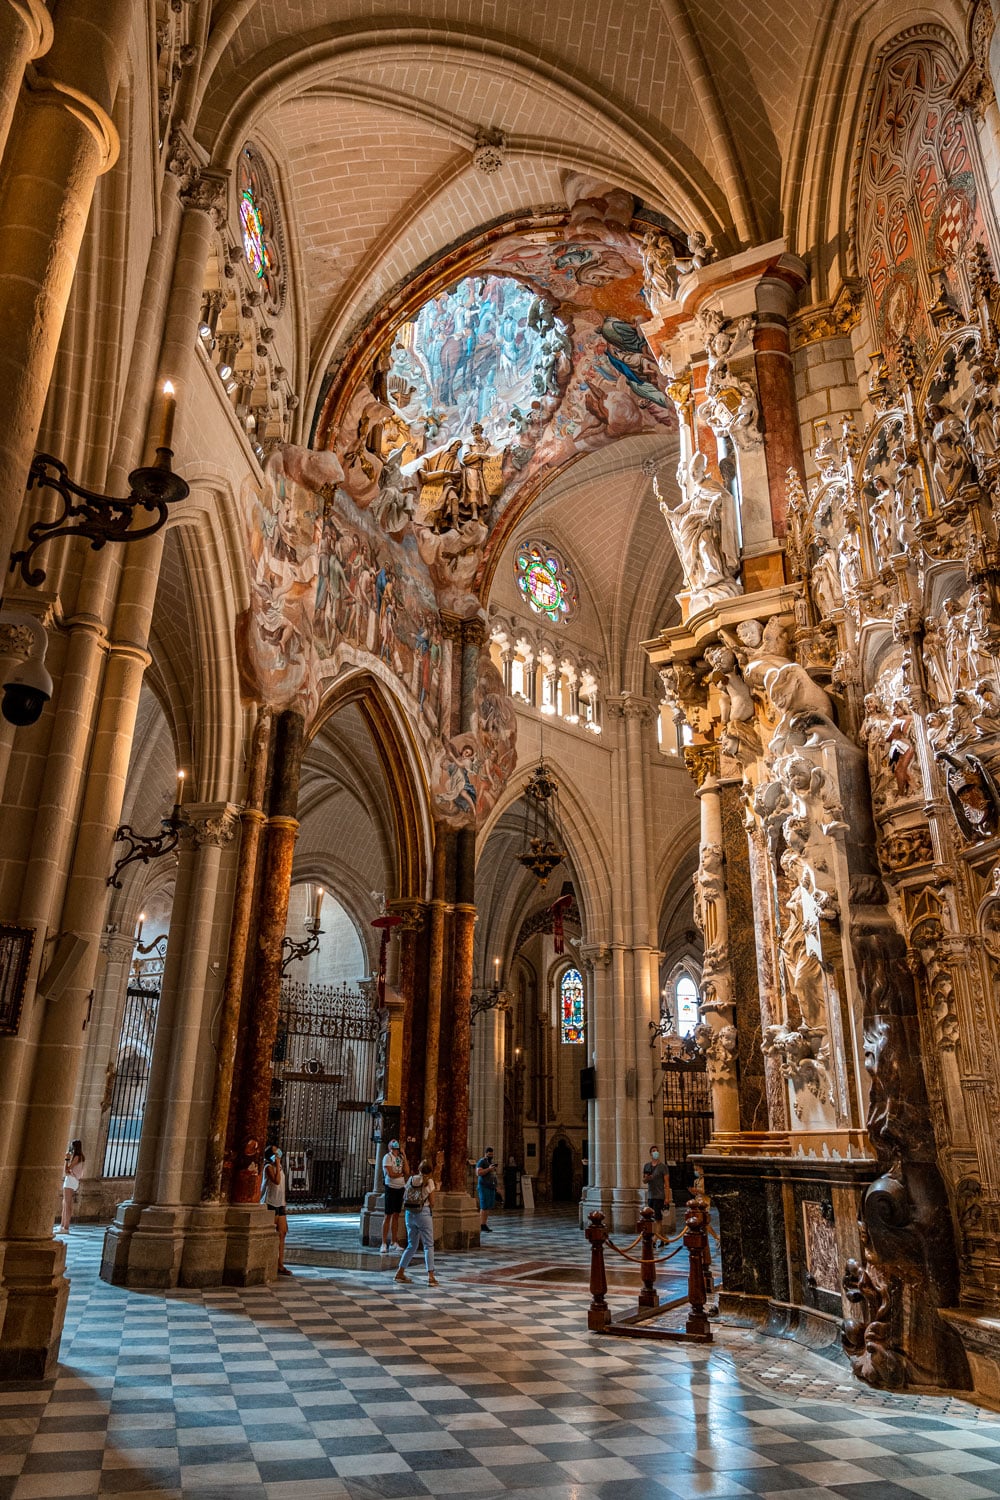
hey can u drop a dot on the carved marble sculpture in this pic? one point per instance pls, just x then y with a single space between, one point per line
701 528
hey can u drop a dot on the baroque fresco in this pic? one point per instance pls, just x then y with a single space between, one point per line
363 547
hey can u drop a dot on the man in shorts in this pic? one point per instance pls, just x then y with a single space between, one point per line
394 1181
486 1186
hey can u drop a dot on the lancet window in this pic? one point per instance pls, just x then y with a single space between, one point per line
571 1019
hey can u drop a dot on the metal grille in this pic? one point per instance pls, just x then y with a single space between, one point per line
323 1092
687 1108
130 1080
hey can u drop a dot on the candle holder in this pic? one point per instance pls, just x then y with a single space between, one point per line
292 951
100 518
143 847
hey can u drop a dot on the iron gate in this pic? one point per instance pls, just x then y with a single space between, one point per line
323 1090
687 1108
130 1080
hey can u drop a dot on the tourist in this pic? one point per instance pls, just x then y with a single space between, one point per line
394 1181
657 1185
273 1197
73 1169
418 1203
486 1185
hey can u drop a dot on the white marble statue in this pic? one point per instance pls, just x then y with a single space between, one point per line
702 533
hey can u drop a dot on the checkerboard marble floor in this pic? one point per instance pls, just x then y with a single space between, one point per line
342 1385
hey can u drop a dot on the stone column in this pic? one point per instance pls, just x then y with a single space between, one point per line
153 1242
601 1030
93 1106
25 33
261 1024
60 140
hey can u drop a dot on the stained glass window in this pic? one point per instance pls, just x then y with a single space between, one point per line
571 1006
545 581
260 225
253 233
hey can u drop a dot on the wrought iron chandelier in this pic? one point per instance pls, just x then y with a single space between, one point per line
541 848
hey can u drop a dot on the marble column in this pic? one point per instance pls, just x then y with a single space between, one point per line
252 820
776 391
413 1039
60 139
261 1022
717 1001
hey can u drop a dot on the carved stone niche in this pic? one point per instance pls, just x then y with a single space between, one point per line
908 1271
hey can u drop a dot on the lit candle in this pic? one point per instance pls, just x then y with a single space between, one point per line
138 936
496 971
169 412
180 787
317 905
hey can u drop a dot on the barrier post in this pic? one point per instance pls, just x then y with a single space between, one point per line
647 1228
599 1314
696 1244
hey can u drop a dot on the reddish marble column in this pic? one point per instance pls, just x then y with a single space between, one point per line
776 392
252 821
260 1023
413 988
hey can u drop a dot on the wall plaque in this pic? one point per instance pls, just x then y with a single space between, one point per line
16 944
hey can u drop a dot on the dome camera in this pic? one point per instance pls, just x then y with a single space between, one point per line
28 686
26 694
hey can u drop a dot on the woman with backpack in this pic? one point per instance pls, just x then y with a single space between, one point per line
418 1203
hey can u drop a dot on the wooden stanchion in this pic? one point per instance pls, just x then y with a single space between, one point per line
647 1228
696 1244
599 1314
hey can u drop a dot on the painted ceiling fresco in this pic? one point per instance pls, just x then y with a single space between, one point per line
359 545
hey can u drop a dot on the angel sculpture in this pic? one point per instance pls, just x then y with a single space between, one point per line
698 526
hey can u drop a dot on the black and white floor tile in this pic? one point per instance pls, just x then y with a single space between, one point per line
343 1385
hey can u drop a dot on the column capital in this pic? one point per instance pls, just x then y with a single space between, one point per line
702 761
210 823
630 706
412 914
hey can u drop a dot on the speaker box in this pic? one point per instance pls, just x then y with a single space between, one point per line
70 951
588 1084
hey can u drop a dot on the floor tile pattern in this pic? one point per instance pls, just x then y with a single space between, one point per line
337 1385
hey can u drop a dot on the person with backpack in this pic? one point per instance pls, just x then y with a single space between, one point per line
418 1205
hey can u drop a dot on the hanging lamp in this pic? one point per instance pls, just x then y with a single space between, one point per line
541 848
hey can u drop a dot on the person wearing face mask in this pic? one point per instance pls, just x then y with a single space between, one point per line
657 1185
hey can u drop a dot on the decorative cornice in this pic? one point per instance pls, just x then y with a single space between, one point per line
829 320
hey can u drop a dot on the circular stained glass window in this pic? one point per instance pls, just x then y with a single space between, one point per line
546 582
260 226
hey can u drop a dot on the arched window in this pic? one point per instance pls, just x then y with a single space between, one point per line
685 1004
260 227
571 1024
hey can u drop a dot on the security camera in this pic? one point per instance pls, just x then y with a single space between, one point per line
28 687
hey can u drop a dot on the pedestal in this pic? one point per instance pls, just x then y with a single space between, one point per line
33 1309
456 1222
158 1246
